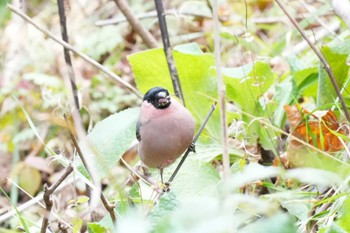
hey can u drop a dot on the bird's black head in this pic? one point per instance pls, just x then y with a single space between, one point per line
159 97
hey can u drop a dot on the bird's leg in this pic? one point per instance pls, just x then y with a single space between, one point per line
161 175
164 186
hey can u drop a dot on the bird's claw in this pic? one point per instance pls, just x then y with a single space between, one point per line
192 147
165 187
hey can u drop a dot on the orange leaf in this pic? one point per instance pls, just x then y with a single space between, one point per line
317 130
293 115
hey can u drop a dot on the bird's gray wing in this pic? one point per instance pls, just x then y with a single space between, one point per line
138 127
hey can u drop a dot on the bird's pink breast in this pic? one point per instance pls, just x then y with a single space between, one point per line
165 134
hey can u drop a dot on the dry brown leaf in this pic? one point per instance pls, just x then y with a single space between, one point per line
318 129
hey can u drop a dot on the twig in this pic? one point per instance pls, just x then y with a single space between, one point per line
144 179
67 58
135 24
47 196
109 207
62 228
75 51
168 51
221 92
213 106
150 14
320 56
34 200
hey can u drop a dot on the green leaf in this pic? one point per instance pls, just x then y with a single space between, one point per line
194 178
191 48
96 228
336 56
335 228
197 79
77 224
19 215
111 138
307 82
343 219
104 225
159 215
307 158
245 85
209 150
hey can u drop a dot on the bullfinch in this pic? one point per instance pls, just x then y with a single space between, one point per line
165 129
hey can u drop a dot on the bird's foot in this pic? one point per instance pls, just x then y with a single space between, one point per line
192 147
165 187
162 187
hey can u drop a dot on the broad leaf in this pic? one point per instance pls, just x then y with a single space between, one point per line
111 138
196 76
336 55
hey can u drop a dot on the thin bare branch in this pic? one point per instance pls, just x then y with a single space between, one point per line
193 142
320 56
168 51
67 58
144 179
75 51
135 24
109 207
48 191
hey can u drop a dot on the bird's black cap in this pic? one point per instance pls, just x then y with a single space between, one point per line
158 96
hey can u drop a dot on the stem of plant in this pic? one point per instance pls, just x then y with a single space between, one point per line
67 57
134 22
109 207
47 197
168 51
221 93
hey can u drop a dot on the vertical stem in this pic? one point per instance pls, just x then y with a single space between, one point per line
67 58
221 92
168 51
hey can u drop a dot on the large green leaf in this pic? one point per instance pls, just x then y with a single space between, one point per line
196 76
194 178
110 138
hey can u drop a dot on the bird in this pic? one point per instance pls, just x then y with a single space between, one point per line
165 129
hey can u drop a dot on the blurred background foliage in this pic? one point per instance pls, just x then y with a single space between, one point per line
257 41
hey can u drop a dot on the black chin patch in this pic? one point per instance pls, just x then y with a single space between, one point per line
162 103
159 97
